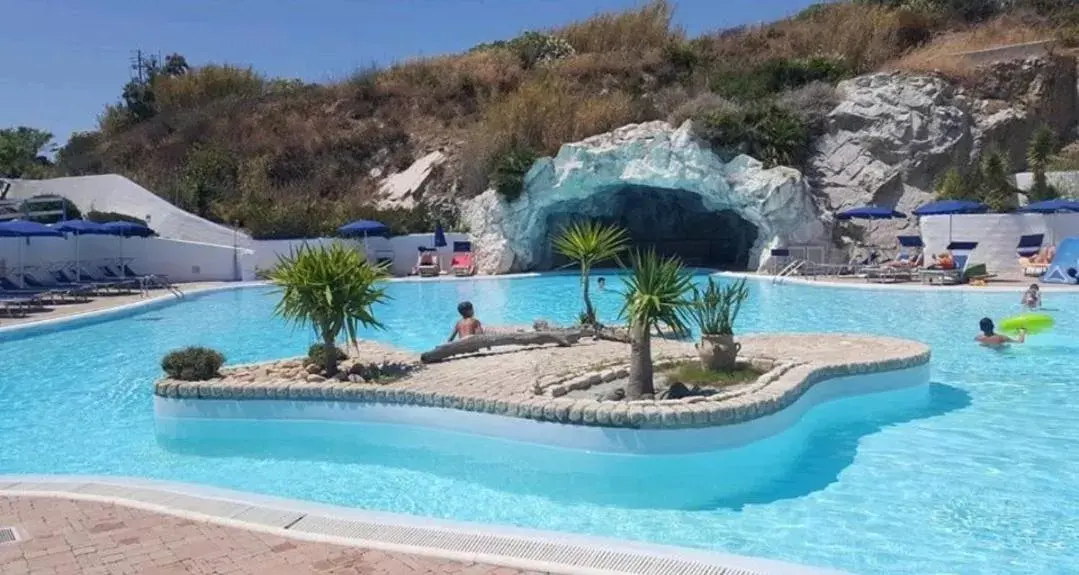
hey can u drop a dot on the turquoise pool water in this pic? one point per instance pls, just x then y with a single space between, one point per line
976 475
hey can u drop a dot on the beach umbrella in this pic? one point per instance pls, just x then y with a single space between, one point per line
363 228
127 230
1059 205
951 208
25 229
80 228
440 236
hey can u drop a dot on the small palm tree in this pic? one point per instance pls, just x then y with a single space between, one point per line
587 244
331 290
655 298
1039 151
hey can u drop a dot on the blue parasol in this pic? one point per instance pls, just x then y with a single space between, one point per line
440 236
127 230
1058 205
25 229
870 213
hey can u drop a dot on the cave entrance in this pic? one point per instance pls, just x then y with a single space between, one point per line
673 222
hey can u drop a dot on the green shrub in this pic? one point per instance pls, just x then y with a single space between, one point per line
192 363
768 133
509 172
779 74
103 217
316 354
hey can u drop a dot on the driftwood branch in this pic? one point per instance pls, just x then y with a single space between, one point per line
483 341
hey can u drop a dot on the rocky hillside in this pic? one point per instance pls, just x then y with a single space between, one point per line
282 158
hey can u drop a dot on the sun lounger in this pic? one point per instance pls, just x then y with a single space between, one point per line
959 273
427 264
903 267
462 264
72 293
119 284
66 281
10 290
1032 257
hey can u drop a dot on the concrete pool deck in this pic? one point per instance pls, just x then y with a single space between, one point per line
81 525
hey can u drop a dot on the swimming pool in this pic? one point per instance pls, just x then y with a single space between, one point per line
978 477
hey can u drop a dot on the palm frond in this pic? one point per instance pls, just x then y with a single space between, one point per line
330 289
588 243
655 294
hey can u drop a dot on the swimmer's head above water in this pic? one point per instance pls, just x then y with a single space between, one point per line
986 325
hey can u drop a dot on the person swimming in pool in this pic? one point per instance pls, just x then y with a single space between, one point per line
602 284
1032 298
990 338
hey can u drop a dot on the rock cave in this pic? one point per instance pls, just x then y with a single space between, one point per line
673 222
664 186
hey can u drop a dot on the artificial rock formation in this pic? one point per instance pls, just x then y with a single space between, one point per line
662 183
893 135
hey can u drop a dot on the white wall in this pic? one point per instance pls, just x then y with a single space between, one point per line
997 235
181 261
113 193
403 249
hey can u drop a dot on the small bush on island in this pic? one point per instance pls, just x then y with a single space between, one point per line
316 354
193 363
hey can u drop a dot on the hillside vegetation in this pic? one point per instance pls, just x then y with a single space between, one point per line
283 158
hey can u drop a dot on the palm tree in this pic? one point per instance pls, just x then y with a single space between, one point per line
330 289
1039 151
589 243
655 298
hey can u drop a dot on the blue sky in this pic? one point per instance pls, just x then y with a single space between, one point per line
61 61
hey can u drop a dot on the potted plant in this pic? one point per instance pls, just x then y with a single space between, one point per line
714 310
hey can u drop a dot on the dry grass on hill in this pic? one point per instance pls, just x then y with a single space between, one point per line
291 159
941 55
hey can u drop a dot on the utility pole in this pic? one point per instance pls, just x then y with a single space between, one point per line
137 66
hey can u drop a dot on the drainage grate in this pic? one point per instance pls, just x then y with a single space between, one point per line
548 552
8 535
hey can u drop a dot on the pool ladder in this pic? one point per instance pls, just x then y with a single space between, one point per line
791 269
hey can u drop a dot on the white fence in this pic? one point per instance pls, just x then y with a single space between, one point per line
184 261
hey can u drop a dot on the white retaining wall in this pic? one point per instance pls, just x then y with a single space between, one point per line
181 261
997 235
113 193
403 249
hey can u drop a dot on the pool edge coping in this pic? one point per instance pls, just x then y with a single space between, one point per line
894 287
566 553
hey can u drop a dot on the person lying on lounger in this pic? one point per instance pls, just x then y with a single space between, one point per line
468 325
907 263
990 338
943 262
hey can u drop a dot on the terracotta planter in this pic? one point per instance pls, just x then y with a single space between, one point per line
718 352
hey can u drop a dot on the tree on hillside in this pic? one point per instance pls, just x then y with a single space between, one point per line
953 187
23 153
79 156
140 102
1039 151
998 192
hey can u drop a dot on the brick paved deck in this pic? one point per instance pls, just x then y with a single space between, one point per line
64 536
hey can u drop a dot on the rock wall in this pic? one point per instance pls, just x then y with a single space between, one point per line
893 135
516 236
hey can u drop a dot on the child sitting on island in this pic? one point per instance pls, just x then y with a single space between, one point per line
1032 298
467 325
991 338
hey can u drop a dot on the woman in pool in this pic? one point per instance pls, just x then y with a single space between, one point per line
602 284
990 338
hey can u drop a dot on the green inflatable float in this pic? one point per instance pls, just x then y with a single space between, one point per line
1032 322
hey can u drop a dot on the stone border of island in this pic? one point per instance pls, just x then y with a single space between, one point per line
525 381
